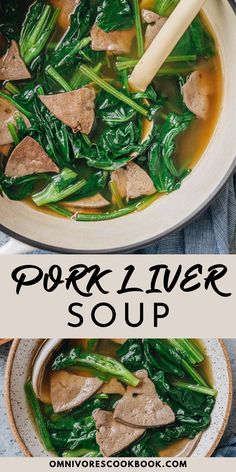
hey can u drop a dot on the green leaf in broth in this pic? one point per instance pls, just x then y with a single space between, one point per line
9 22
111 110
72 43
164 7
116 15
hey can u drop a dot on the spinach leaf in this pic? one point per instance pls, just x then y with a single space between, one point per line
116 15
112 111
9 25
195 41
76 38
36 30
18 188
165 175
95 183
131 354
164 7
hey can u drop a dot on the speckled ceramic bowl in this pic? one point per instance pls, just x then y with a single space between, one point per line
23 428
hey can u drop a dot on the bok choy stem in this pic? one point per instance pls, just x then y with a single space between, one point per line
88 72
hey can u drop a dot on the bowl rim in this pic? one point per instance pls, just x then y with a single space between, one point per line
146 241
37 245
23 446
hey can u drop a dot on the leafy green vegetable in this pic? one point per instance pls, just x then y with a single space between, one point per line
165 175
9 12
165 7
131 354
189 350
195 41
18 188
38 416
139 205
88 72
101 363
195 388
116 15
37 29
138 25
112 111
76 38
61 186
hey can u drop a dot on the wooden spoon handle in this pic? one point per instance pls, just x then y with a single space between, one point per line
164 43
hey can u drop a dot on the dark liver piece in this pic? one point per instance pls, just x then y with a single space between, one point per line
69 390
75 109
29 158
117 42
112 436
141 407
12 67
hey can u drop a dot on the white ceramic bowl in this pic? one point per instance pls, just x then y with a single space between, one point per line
18 367
168 213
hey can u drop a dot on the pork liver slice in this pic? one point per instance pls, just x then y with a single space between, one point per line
69 390
141 407
112 436
12 66
28 158
75 109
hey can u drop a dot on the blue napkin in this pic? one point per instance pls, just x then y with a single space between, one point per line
210 233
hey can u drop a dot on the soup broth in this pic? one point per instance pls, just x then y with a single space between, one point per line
158 359
116 167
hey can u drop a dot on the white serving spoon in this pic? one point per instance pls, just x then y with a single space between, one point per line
164 43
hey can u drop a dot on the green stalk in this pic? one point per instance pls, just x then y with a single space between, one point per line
60 210
58 78
13 132
138 25
10 99
193 373
78 47
187 58
10 87
78 79
88 72
188 350
38 416
195 388
99 362
32 47
128 64
116 195
49 195
138 206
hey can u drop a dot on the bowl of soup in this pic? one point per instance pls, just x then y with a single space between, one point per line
81 152
118 397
